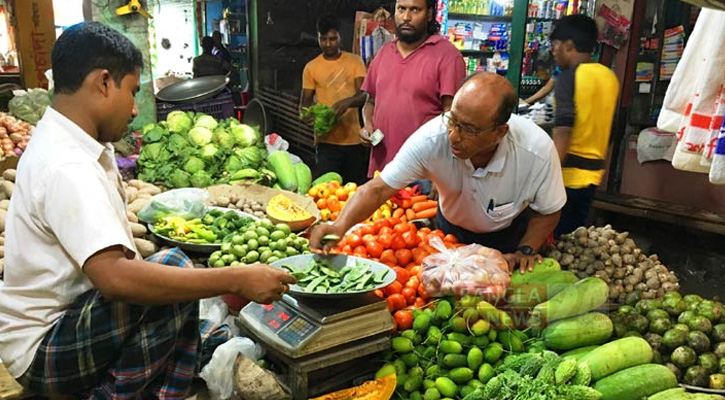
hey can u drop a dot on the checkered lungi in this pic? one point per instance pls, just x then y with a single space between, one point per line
103 349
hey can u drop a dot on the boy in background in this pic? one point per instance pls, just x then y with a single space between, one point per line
586 98
334 78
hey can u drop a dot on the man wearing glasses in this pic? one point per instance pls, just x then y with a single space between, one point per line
498 175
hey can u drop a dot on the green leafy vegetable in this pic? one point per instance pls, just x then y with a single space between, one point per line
200 136
178 122
205 121
325 118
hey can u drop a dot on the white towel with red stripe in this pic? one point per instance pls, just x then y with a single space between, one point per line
695 101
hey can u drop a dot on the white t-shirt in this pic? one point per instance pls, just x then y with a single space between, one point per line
67 205
524 172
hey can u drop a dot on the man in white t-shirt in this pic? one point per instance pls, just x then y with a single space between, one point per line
498 176
81 314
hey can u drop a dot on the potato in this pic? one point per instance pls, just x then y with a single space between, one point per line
2 251
137 184
144 196
138 230
7 188
131 194
9 175
3 215
2 265
145 247
4 204
131 217
2 241
137 205
149 189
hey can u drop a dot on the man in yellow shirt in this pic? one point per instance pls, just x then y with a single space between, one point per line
586 98
334 78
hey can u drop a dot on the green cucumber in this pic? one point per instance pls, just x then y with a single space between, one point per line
636 383
581 297
579 352
328 177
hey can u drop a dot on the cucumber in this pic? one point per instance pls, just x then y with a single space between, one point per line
581 297
669 394
540 274
328 177
636 382
582 330
536 287
579 352
617 355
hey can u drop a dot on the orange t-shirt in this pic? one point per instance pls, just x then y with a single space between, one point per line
332 81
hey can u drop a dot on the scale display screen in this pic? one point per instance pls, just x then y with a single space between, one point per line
283 321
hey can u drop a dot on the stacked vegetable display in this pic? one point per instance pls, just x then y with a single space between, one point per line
615 258
196 150
14 135
687 335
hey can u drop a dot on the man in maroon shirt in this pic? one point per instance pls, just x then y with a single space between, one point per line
410 81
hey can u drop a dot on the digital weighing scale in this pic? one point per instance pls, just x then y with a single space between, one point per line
310 336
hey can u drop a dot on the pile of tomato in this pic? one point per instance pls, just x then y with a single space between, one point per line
403 247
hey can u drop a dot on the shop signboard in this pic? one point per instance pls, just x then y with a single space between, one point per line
36 36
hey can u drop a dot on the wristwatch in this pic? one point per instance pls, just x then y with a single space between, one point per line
526 250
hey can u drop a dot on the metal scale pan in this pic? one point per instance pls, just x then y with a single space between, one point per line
193 90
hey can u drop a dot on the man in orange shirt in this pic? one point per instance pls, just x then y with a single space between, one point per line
334 78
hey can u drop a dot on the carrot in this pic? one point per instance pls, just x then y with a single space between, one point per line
418 199
417 207
409 214
399 212
406 203
427 213
403 219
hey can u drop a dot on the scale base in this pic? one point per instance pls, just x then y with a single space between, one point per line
314 375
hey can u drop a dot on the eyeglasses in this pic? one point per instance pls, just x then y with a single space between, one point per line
450 122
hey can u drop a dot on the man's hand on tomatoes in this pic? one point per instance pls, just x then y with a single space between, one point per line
524 263
320 231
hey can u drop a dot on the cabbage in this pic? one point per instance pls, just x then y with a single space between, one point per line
178 121
178 145
179 179
30 106
223 138
200 136
146 128
194 165
234 164
206 121
200 179
251 156
155 134
244 135
208 152
154 153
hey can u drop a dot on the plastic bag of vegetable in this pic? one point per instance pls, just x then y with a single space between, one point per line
29 106
185 203
472 269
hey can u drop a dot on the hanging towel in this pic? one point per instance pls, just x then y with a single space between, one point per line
692 101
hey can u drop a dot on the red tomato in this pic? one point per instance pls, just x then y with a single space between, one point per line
401 275
419 254
379 293
335 251
368 237
425 230
394 288
385 240
360 251
404 256
439 233
422 293
411 240
419 302
367 230
394 221
403 319
386 230
354 240
410 294
374 248
450 239
347 249
397 242
378 225
402 227
396 302
413 282
415 271
388 258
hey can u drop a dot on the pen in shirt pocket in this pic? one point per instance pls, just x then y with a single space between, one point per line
491 205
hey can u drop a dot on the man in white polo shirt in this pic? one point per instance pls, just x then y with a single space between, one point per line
498 175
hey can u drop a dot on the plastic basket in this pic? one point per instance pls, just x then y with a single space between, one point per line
219 107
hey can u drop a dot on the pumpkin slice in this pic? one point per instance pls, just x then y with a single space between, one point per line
379 389
280 209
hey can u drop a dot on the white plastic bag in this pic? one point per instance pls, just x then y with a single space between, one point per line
276 142
654 144
471 269
214 309
187 203
219 372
